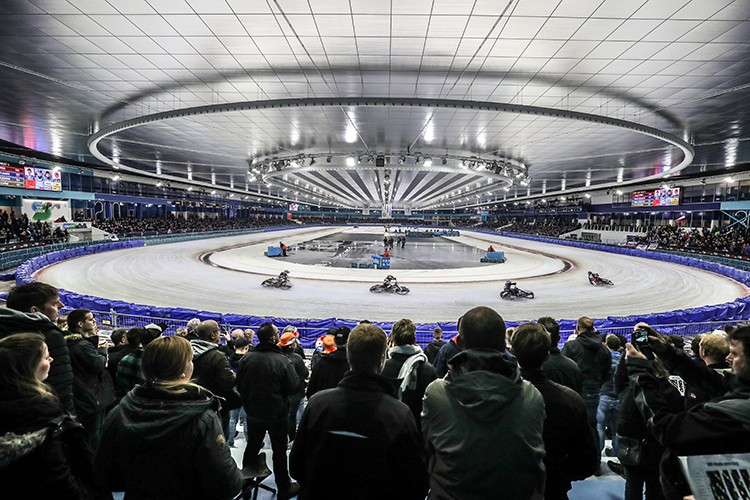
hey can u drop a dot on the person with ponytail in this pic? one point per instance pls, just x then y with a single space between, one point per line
44 452
164 440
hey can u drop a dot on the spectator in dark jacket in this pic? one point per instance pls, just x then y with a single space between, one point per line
92 386
558 368
632 424
289 342
330 368
212 370
713 350
266 379
164 440
595 362
133 337
445 354
237 415
608 412
720 426
360 418
572 454
408 364
44 453
34 307
432 349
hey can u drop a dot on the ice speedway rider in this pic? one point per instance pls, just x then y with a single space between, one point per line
283 277
594 276
510 286
390 282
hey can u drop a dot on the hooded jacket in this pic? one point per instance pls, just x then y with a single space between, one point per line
444 355
43 452
167 446
483 428
60 372
593 358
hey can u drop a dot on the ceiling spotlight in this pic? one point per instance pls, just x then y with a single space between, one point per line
728 179
416 160
401 160
619 192
213 192
159 184
350 161
328 159
116 178
428 162
444 161
312 161
359 160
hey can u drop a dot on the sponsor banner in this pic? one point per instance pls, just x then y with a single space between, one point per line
46 211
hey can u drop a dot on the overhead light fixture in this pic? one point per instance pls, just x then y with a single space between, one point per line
728 179
444 161
328 159
401 160
428 162
312 161
350 161
116 178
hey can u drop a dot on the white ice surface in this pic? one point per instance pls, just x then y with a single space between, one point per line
173 276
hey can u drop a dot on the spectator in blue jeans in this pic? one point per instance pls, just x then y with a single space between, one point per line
609 404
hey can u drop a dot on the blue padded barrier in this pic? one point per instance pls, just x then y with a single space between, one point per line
7 277
120 306
183 314
235 319
102 304
89 302
4 296
208 315
161 312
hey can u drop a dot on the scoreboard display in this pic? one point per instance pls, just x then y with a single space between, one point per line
669 197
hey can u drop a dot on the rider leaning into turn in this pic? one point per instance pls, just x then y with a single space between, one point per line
509 285
390 281
284 276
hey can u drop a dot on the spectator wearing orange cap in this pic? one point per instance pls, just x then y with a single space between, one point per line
324 345
328 371
288 341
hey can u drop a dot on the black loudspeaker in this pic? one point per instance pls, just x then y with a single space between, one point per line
380 161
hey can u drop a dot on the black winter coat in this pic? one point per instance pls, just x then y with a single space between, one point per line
115 355
299 368
43 452
93 389
211 369
412 398
368 434
328 371
266 379
632 423
167 446
432 349
593 358
563 370
572 454
60 372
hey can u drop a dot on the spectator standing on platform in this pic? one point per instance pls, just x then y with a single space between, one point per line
45 452
330 368
164 440
571 454
360 418
408 364
129 372
191 326
481 406
559 368
445 354
212 370
92 385
266 379
431 350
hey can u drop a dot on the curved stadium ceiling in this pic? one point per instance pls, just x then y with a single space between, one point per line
422 105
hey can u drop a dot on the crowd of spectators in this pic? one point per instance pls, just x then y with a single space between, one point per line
428 429
21 230
734 240
551 227
131 226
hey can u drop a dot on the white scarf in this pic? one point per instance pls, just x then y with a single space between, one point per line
408 372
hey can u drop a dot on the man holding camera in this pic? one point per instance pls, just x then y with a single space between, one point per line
720 426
